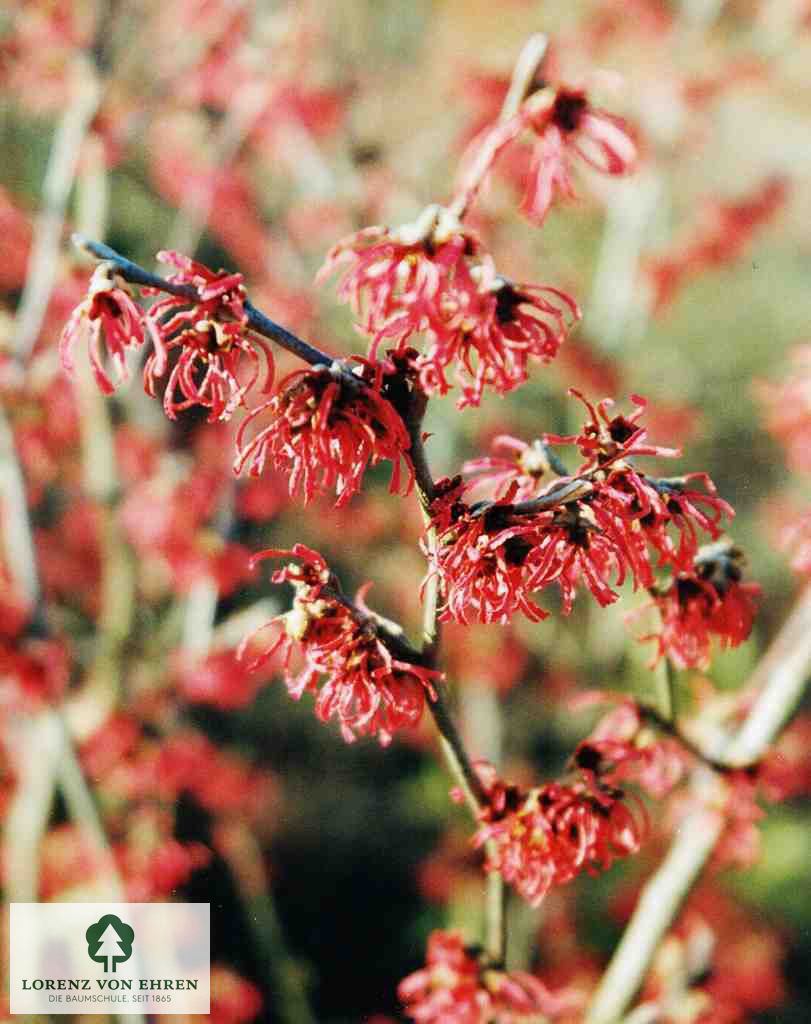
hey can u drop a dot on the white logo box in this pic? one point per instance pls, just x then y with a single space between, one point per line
135 958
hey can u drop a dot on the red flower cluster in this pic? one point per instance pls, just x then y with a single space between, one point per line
344 661
521 464
34 671
547 835
212 340
218 679
432 277
794 537
607 522
481 559
323 427
457 986
565 127
16 231
785 772
737 802
130 765
719 965
710 602
155 872
219 361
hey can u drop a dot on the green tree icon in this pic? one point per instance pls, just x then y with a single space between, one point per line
109 941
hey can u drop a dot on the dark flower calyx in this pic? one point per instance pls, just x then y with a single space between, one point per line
568 110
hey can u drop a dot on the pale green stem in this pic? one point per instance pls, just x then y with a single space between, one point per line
43 263
88 708
248 870
780 678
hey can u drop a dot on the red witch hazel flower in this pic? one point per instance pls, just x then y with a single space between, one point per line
108 317
481 558
711 602
596 526
795 537
623 495
345 654
219 360
624 748
398 279
432 277
323 427
458 986
496 328
492 556
547 835
567 126
522 464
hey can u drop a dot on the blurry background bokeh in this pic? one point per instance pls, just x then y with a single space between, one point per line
254 135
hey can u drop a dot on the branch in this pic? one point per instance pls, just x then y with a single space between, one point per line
780 678
658 905
724 765
561 494
453 750
452 745
456 757
88 707
256 319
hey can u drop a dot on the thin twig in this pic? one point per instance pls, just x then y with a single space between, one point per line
416 453
780 678
481 718
671 726
452 748
31 740
495 919
658 906
33 745
256 319
91 704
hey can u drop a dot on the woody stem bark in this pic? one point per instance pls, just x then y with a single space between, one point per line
451 745
256 319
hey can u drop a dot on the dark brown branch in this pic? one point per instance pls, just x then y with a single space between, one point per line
257 320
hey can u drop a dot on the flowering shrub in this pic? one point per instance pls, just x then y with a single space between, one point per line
164 432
